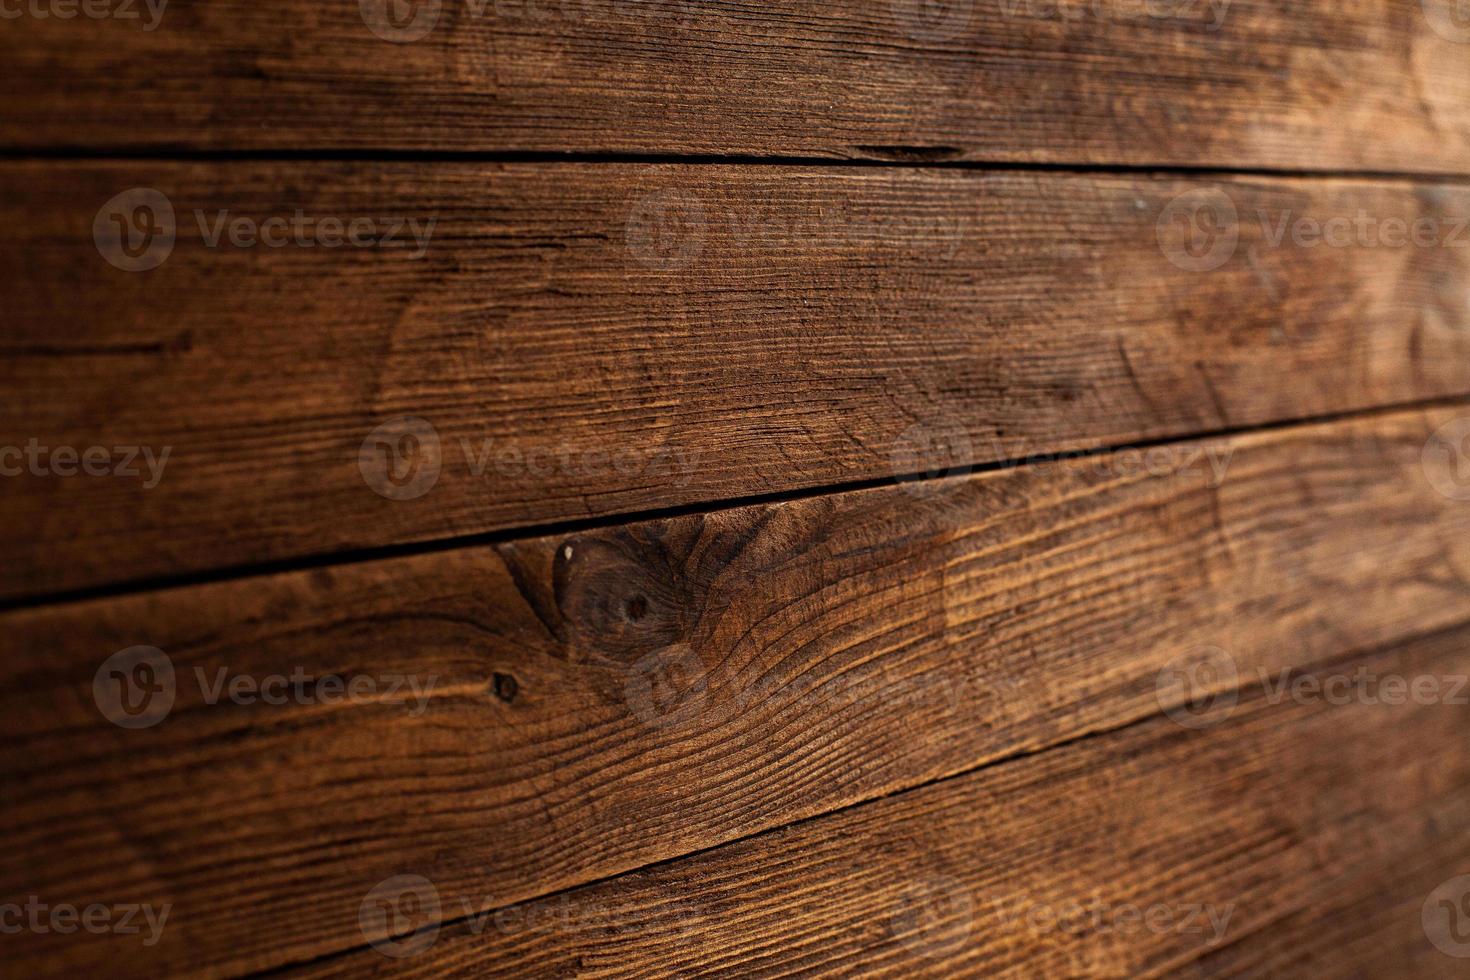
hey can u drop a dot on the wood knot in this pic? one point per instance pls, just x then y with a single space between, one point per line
622 596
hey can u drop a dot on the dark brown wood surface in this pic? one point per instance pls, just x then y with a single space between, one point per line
1303 84
1287 839
597 701
592 340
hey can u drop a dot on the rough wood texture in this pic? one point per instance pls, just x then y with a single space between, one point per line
1316 84
591 340
1294 839
616 697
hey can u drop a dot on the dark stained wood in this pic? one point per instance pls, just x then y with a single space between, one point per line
815 654
1315 84
594 340
1295 839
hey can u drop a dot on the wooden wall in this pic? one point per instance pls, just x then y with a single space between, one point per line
731 488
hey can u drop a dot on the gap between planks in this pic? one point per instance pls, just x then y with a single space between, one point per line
361 556
184 154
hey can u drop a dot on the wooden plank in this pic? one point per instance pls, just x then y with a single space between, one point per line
1304 836
1297 84
578 341
598 701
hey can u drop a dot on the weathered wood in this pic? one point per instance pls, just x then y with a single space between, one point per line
1293 839
598 701
1362 84
591 340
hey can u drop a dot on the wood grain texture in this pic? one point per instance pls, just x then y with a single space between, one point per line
1289 839
1313 84
592 340
603 700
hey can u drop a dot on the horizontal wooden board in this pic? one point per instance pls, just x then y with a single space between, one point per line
576 341
586 704
1291 839
1367 84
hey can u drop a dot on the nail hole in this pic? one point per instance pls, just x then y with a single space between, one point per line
637 608
505 687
